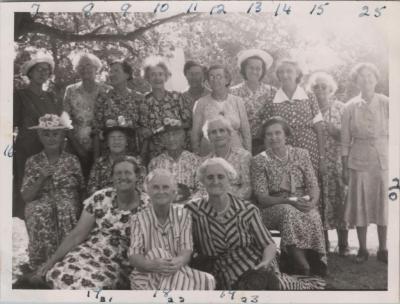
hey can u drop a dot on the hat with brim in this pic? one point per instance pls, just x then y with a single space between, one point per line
120 124
169 125
54 122
267 58
127 130
27 66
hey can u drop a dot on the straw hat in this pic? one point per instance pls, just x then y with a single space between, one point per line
267 58
54 122
44 58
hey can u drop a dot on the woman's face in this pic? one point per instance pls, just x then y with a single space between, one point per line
117 142
366 80
51 139
287 74
161 190
321 89
216 180
275 136
117 74
40 73
86 69
195 77
157 77
218 134
217 80
253 69
173 139
124 177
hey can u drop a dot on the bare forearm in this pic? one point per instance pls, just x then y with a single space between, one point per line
321 139
141 263
69 243
31 193
269 253
265 200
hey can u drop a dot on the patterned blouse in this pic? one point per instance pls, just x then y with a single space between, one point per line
80 106
235 240
254 100
365 132
333 116
101 174
189 101
270 176
153 111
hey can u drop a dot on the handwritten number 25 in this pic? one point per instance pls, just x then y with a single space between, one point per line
365 11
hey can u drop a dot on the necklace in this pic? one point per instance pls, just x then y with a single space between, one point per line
284 158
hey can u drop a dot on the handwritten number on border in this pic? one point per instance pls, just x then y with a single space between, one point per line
393 194
87 9
256 7
365 11
192 8
125 8
318 9
35 10
162 8
218 9
285 9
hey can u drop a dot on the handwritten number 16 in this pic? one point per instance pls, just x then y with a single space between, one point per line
365 11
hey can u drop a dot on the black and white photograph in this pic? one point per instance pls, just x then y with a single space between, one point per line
200 152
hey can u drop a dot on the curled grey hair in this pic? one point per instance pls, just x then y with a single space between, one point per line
92 58
327 79
228 168
220 118
293 63
156 172
364 65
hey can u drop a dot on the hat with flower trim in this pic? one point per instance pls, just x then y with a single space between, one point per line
169 124
54 122
120 124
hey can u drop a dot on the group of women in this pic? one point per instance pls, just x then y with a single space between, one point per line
225 165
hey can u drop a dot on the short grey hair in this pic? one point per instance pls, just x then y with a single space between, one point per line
220 118
76 61
158 172
364 65
327 79
228 168
293 63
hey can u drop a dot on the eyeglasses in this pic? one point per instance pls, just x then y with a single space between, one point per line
215 77
321 86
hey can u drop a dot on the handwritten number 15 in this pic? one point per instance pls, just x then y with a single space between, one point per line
318 9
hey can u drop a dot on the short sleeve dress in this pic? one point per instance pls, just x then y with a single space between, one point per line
101 261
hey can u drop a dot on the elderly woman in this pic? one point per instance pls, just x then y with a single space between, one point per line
364 135
219 133
52 189
181 163
324 87
158 105
116 136
230 235
94 254
253 65
118 102
29 104
300 110
79 103
286 188
162 243
218 103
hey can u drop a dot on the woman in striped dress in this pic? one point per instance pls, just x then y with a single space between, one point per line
230 238
161 242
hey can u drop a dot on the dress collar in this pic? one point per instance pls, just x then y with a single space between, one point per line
281 96
362 102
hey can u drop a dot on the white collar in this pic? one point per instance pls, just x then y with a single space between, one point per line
299 94
362 102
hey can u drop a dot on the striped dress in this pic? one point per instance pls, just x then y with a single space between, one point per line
235 242
153 240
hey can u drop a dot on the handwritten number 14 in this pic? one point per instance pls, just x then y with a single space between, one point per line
284 8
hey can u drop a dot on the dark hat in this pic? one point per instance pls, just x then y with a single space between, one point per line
169 124
121 124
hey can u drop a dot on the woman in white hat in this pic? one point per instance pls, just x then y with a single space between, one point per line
29 104
253 65
52 189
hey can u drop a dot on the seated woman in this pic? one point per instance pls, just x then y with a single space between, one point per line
94 254
219 132
116 134
52 189
287 190
229 235
161 243
181 163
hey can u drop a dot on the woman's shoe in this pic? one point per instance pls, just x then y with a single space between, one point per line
362 256
382 255
344 251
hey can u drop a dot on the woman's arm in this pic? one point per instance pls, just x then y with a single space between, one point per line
319 129
345 137
73 239
31 189
245 189
268 255
244 125
197 126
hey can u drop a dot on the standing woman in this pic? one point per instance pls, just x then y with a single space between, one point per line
158 105
300 110
365 133
333 194
29 105
119 101
52 189
253 64
79 103
220 103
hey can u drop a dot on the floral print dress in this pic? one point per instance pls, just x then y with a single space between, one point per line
54 212
101 261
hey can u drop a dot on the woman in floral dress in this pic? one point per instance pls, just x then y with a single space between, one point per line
119 101
253 65
333 191
158 105
52 189
94 254
286 189
79 103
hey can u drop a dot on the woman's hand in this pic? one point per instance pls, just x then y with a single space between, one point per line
303 205
46 172
41 272
162 266
264 265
